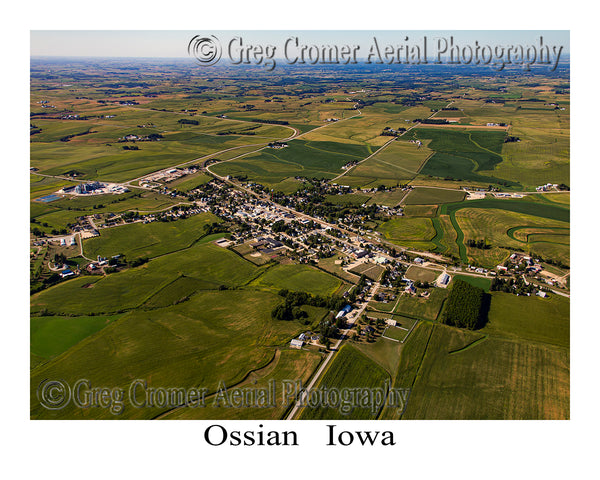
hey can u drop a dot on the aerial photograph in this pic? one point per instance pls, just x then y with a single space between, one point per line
300 225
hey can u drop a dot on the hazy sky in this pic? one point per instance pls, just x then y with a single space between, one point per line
162 43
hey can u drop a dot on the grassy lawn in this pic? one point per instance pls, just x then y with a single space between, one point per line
480 282
426 308
419 274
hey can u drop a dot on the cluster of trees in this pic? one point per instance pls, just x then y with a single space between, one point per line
273 122
481 244
130 147
214 227
388 132
233 132
362 282
432 121
59 258
465 306
39 233
290 309
136 262
512 285
511 138
66 138
130 215
286 311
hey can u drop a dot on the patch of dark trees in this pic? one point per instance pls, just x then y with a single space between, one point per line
431 121
480 244
290 308
272 122
467 306
187 121
66 138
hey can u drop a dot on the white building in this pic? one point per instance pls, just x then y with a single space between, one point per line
443 280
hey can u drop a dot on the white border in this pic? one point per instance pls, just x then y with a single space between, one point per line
173 449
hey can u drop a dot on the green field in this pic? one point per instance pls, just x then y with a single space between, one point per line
480 282
397 163
425 308
193 314
433 196
395 333
299 278
420 274
466 366
129 289
150 239
215 336
497 221
415 232
51 336
463 154
349 369
287 364
190 182
347 199
301 158
369 270
409 364
534 319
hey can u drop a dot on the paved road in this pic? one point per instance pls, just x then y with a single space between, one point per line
333 351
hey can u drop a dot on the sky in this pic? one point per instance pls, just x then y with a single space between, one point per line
164 43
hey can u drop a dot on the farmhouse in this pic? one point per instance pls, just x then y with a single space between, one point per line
296 343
